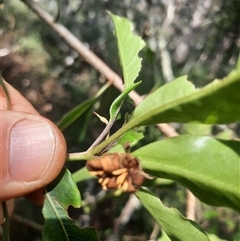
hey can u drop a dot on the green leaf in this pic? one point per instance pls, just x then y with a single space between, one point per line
76 132
226 135
117 148
61 193
158 182
130 137
179 101
58 11
81 175
197 129
164 237
114 108
238 64
64 189
172 222
213 237
79 110
129 46
210 168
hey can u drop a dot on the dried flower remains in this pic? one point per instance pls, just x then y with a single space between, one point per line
117 171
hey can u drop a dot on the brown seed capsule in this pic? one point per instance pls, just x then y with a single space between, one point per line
117 171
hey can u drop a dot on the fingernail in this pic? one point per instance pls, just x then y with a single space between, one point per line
32 145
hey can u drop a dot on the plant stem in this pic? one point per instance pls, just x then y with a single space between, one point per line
78 156
106 129
90 153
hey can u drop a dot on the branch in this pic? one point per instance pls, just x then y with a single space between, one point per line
183 48
132 204
75 44
23 221
106 130
191 206
89 56
155 232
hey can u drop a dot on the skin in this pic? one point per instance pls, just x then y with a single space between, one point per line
32 150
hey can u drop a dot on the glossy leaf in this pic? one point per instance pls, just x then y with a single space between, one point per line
197 129
114 108
130 137
179 101
171 221
225 134
164 236
210 168
238 64
213 237
81 175
117 148
129 46
58 225
76 132
79 110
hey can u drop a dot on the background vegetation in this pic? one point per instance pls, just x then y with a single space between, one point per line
199 38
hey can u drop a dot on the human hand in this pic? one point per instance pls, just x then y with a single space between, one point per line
32 149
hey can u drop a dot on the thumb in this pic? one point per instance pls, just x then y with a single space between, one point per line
32 153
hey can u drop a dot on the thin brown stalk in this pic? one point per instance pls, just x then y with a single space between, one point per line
191 206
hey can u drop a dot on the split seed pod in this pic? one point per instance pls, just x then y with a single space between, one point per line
117 171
